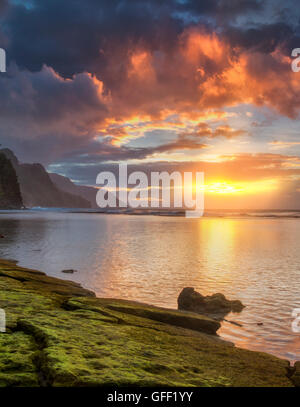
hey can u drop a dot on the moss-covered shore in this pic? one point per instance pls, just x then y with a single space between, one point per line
59 334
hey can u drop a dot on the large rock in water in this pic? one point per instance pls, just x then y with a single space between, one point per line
216 305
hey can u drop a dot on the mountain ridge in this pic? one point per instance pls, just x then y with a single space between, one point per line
37 188
65 184
10 194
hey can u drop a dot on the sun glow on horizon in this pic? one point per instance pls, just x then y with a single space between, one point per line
227 187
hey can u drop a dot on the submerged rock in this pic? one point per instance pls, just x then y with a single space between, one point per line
216 305
69 271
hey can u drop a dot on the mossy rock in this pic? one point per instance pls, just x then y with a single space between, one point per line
60 335
17 367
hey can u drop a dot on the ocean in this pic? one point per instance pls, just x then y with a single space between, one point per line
252 256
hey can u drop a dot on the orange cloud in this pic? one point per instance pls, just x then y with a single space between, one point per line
283 144
195 81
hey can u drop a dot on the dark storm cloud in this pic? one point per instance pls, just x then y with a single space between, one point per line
43 116
75 36
231 8
264 38
3 5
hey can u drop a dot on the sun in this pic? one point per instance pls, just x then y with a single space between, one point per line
223 188
227 187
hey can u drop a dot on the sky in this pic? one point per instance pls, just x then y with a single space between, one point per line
190 84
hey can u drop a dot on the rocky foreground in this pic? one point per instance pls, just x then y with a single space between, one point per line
59 334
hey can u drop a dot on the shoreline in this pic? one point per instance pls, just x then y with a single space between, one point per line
60 334
292 214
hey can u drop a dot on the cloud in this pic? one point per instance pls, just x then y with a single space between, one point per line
264 38
96 78
283 144
237 168
228 132
223 8
3 6
264 180
202 75
43 116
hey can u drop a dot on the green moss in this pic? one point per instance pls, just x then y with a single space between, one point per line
17 354
60 335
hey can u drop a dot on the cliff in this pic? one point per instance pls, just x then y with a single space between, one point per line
66 185
10 195
37 188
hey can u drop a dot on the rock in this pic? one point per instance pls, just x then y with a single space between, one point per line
181 319
69 271
260 323
58 334
39 281
233 322
294 374
216 305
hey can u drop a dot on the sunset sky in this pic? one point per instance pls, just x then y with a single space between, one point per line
204 84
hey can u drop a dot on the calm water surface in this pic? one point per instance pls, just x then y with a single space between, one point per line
151 258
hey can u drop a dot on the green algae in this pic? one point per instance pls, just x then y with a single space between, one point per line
59 334
17 368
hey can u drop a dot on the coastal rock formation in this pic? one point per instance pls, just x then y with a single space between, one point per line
216 305
59 334
10 195
37 188
66 185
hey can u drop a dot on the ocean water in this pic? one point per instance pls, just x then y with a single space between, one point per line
253 257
